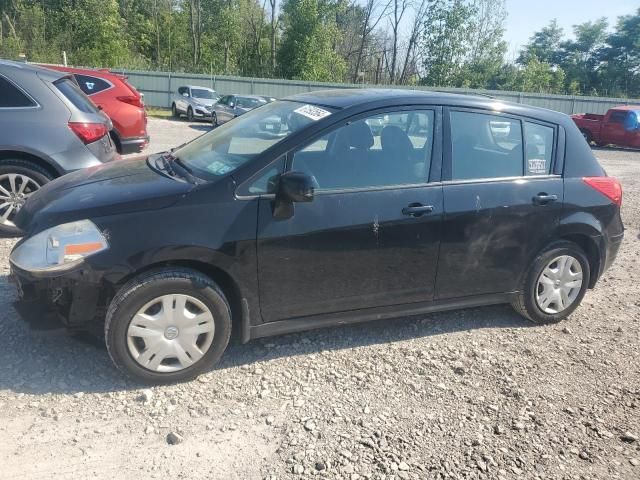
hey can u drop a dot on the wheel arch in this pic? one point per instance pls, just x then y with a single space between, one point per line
229 286
41 160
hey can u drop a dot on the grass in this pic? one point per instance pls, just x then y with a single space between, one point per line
158 112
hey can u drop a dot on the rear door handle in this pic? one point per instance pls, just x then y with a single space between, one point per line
544 199
417 209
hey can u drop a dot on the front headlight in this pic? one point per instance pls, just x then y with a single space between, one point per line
59 248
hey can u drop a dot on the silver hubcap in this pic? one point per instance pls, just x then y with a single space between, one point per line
559 284
170 333
14 191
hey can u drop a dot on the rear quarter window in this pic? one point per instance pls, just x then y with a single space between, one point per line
91 85
12 97
539 148
72 92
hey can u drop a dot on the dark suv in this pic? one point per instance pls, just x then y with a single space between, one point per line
321 209
47 127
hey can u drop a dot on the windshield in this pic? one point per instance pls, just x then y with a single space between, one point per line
235 143
248 102
202 93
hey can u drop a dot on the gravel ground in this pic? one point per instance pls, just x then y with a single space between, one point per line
470 394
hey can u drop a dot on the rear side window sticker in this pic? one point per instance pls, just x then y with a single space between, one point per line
537 166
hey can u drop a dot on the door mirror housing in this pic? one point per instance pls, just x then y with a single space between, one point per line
231 104
185 94
292 187
296 187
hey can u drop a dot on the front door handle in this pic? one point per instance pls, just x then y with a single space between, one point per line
544 199
417 209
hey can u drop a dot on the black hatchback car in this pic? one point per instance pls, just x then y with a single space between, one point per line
321 209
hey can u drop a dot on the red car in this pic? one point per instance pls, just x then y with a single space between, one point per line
120 101
619 126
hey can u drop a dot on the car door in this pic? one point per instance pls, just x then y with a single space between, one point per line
502 200
613 129
181 100
370 236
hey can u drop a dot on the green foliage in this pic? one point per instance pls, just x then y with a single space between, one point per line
455 43
307 49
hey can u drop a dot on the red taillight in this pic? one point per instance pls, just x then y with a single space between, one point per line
88 132
132 100
608 186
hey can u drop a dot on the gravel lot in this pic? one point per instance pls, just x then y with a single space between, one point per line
470 394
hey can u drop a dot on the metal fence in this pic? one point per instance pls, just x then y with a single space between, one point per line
158 88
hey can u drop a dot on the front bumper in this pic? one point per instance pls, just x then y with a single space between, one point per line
72 298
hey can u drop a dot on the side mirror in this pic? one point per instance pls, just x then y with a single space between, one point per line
185 94
296 187
231 104
292 187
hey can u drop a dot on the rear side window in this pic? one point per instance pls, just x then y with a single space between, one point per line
91 85
12 97
485 146
617 116
539 150
73 93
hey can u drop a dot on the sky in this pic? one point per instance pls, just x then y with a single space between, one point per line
527 16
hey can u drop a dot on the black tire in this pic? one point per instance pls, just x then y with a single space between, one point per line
190 114
143 289
214 119
525 303
587 136
28 169
174 111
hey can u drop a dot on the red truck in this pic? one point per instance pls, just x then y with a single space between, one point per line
619 126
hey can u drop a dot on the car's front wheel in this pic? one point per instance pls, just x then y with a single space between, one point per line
214 119
174 111
19 179
190 116
167 326
555 285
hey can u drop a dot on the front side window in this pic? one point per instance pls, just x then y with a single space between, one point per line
91 85
617 116
12 97
233 144
485 146
538 154
381 150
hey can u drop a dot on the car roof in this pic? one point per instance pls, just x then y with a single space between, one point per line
96 72
17 68
627 107
360 98
198 86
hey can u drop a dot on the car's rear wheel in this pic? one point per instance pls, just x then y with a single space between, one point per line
555 284
19 179
174 111
190 114
167 326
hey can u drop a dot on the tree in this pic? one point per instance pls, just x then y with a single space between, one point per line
445 41
543 45
306 51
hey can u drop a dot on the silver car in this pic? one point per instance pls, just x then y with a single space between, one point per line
232 106
194 102
48 127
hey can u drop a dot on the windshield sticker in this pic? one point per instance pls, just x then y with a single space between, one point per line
312 112
538 166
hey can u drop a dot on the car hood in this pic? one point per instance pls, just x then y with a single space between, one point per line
124 186
204 101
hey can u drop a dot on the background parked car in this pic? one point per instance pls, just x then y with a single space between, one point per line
194 102
232 106
47 127
619 126
120 100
